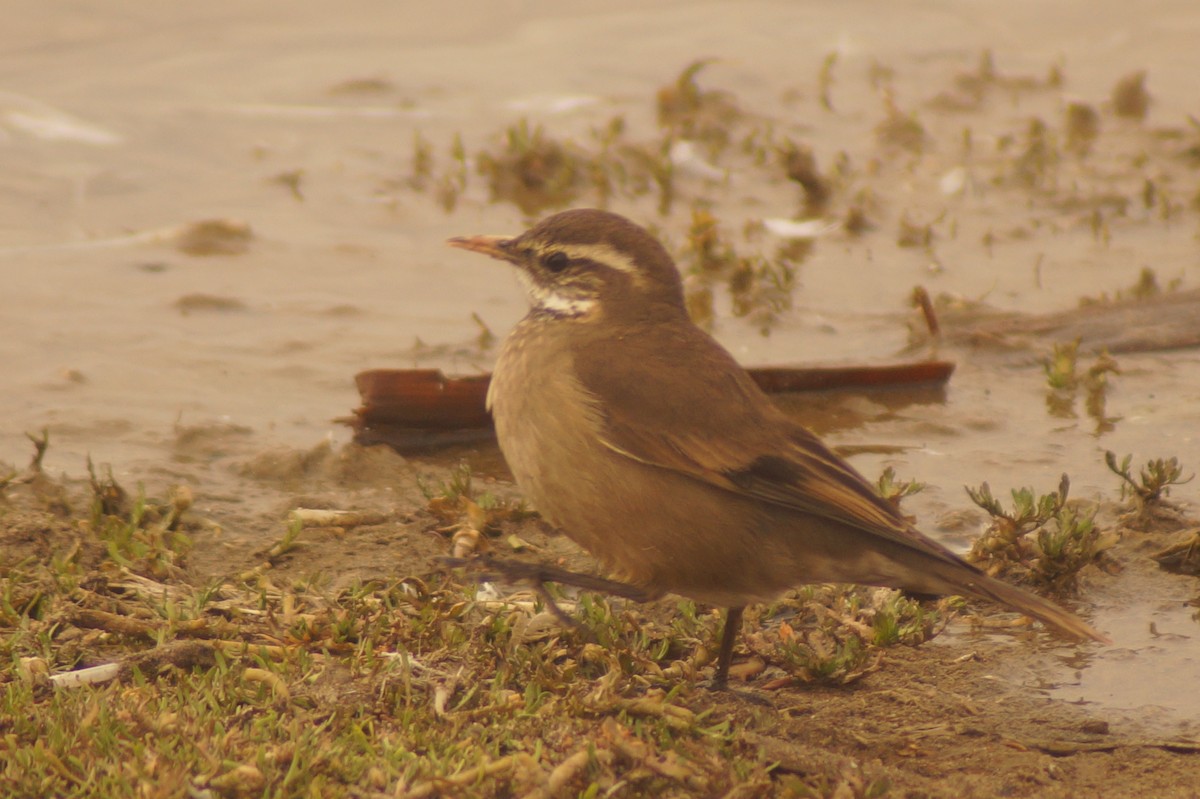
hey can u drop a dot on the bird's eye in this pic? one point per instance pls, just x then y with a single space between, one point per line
556 261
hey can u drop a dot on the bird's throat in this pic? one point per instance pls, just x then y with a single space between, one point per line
557 302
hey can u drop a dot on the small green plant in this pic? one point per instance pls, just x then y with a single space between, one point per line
688 111
108 497
707 250
1155 480
899 129
902 620
819 657
287 542
40 445
454 182
1065 547
834 634
1146 286
422 163
1066 538
533 170
140 534
760 287
894 490
451 490
1029 511
1037 164
455 502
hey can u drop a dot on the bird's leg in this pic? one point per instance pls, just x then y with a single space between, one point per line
733 625
565 618
513 571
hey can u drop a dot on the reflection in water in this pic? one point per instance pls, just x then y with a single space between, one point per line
830 412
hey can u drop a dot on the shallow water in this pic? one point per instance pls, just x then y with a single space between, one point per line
121 122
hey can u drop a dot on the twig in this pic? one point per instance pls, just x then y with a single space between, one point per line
319 517
440 786
1061 748
180 654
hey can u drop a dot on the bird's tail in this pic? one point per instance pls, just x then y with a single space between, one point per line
1030 604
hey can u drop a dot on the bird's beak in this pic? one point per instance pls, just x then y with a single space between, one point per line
495 246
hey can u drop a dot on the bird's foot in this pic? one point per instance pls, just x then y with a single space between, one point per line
516 571
538 574
745 693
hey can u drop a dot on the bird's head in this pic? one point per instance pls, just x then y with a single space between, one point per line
585 262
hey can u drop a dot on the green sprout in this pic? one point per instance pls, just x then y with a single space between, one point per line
1155 480
1066 538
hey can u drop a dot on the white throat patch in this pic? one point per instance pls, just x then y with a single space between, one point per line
553 302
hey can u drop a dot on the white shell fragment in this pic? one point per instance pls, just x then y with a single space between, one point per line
798 228
41 121
686 158
552 103
953 182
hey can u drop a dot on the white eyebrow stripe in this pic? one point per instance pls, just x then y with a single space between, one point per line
601 254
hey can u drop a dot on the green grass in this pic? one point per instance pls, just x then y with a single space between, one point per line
244 687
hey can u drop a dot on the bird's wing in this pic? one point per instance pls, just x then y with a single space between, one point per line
741 442
662 412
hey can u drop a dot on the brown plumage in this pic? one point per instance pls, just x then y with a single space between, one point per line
641 438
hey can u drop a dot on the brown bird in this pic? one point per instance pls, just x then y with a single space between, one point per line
640 437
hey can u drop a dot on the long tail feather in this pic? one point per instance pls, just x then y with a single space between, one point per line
1033 605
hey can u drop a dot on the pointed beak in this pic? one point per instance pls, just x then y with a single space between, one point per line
495 246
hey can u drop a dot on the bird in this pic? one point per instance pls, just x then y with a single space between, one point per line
637 435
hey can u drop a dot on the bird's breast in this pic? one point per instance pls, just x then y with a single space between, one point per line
550 430
649 526
546 421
